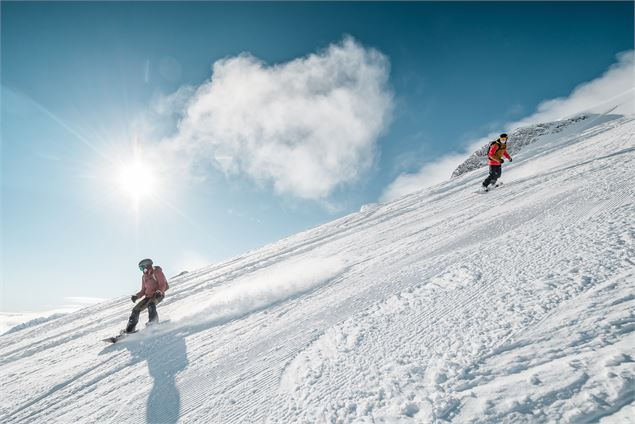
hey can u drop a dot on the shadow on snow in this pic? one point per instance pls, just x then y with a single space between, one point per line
166 356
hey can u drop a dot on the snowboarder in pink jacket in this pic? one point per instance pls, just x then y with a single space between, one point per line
153 287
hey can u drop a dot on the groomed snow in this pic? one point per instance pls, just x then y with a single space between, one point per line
447 305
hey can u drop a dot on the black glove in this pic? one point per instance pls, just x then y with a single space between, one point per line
134 298
502 161
158 294
510 159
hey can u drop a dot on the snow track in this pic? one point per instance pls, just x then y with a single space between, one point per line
445 305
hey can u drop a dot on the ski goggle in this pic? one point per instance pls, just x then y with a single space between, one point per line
145 264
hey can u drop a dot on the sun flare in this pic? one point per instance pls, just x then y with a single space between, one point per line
137 180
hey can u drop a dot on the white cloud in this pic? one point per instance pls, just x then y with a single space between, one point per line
613 91
429 175
174 103
305 126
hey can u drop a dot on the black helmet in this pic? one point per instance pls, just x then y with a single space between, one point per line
145 264
503 135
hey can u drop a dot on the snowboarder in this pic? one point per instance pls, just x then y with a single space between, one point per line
153 287
497 149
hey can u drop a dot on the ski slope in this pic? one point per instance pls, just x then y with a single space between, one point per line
447 305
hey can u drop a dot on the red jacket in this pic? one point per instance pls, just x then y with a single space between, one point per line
496 151
152 281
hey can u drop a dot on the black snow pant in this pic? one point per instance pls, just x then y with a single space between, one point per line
149 303
495 172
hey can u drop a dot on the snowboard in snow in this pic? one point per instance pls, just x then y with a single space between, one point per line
123 335
118 337
490 188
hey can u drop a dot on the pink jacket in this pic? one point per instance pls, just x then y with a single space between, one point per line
153 281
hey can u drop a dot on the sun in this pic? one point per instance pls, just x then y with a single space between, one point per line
137 180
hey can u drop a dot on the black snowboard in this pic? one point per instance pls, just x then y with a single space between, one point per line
118 337
490 188
149 328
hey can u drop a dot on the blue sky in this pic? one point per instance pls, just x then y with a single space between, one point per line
86 85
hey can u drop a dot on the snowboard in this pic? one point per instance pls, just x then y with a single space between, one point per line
118 337
123 335
490 188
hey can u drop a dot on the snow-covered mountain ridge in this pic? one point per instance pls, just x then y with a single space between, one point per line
524 136
445 305
16 322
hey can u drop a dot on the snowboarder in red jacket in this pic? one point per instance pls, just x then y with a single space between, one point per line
497 149
153 287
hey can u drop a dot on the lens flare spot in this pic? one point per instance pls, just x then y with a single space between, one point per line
137 180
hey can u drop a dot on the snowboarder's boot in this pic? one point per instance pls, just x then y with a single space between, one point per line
153 316
132 321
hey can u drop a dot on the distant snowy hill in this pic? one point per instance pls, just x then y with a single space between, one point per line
11 322
447 305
